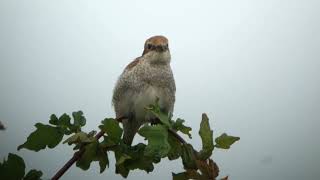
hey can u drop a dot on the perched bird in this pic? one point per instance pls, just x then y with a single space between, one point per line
144 80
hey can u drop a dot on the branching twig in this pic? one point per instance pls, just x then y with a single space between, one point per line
77 155
176 135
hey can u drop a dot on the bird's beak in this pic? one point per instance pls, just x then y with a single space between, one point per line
160 48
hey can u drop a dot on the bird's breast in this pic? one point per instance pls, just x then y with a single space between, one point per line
147 97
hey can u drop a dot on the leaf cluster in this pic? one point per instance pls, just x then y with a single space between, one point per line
163 141
51 135
14 169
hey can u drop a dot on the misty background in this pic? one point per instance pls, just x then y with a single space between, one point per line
251 65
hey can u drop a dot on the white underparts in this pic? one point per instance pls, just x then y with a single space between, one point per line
146 98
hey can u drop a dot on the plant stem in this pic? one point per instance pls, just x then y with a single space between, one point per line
77 155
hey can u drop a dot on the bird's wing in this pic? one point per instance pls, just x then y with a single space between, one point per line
122 86
133 64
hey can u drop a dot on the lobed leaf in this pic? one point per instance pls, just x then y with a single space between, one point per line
179 126
93 152
103 159
112 128
130 158
54 120
188 157
157 136
176 148
44 136
33 175
225 141
79 119
120 164
64 122
107 142
80 137
122 158
13 168
88 156
206 135
156 111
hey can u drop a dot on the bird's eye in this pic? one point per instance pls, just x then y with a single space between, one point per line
149 46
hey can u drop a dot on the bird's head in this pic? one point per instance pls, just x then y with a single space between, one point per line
156 49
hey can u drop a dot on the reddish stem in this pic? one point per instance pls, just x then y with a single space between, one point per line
77 155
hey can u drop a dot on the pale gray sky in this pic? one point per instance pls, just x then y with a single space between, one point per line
252 65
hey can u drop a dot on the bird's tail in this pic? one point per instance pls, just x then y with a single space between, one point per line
130 129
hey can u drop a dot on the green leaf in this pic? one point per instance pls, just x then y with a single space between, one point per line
120 164
103 159
112 128
107 142
188 157
206 135
176 148
130 158
79 119
44 136
189 174
225 141
93 152
122 159
65 124
64 120
156 111
138 159
54 120
80 137
33 175
180 176
179 126
13 168
88 156
157 137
